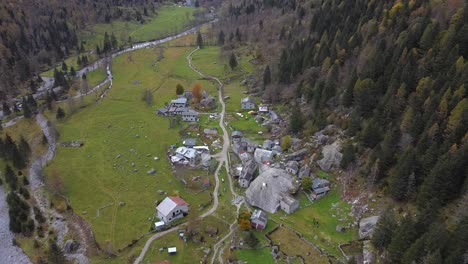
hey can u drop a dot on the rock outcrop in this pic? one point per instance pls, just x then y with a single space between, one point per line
331 156
367 226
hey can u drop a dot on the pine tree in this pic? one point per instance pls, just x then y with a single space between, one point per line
55 254
348 155
114 42
297 120
10 178
72 71
384 230
64 67
6 109
60 113
221 38
266 76
232 61
199 40
26 110
179 89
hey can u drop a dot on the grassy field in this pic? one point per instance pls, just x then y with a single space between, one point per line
96 77
290 244
260 256
168 20
122 124
326 211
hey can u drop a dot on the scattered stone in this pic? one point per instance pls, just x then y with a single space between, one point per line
121 203
135 170
148 155
156 158
339 229
118 156
151 171
73 144
84 212
133 164
207 251
160 192
137 136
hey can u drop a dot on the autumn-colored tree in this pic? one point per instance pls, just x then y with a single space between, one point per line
244 220
197 92
286 142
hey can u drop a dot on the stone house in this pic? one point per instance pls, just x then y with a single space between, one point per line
263 155
288 204
208 103
236 136
247 103
247 174
190 116
292 167
189 142
184 155
320 187
179 102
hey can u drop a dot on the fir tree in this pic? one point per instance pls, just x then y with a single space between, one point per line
199 40
266 76
60 113
221 38
232 61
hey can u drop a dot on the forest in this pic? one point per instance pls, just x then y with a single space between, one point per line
390 74
35 35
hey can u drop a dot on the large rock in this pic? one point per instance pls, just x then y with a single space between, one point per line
367 226
331 156
70 246
266 191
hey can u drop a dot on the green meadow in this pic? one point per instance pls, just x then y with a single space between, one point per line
121 136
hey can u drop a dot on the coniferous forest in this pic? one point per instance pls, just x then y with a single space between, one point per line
392 76
35 35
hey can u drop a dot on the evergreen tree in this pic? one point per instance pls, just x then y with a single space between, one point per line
348 155
266 76
199 40
55 254
179 89
72 71
64 66
297 120
32 103
26 110
232 61
221 38
6 109
197 4
114 42
10 178
384 230
60 113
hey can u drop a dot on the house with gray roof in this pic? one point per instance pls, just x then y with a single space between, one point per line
263 155
259 220
209 102
189 142
292 167
247 173
289 204
184 156
320 187
247 103
268 144
172 208
190 116
179 102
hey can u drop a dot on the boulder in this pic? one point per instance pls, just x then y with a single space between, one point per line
331 156
367 226
70 246
151 171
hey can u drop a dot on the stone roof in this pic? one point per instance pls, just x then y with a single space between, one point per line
259 215
237 134
181 100
189 142
262 155
267 190
247 100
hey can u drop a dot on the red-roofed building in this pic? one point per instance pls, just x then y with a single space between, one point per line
172 208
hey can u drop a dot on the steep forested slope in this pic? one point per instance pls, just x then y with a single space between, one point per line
38 33
393 75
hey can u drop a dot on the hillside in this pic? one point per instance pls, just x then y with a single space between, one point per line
392 76
37 34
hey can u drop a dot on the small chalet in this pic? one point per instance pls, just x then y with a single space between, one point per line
189 142
288 204
190 116
292 167
172 208
176 110
210 131
179 102
259 220
247 174
320 187
247 103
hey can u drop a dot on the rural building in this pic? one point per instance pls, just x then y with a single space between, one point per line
159 225
209 102
304 171
247 103
210 131
238 148
263 155
292 167
320 187
245 157
236 136
288 204
247 174
268 144
259 220
172 250
184 155
163 111
177 110
263 108
172 208
251 146
189 142
179 102
190 116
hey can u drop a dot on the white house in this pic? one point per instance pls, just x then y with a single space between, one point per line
247 103
190 116
172 208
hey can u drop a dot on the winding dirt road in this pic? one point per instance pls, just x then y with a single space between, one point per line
222 158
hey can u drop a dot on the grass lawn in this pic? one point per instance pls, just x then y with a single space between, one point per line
122 124
96 77
290 244
168 20
258 256
326 211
